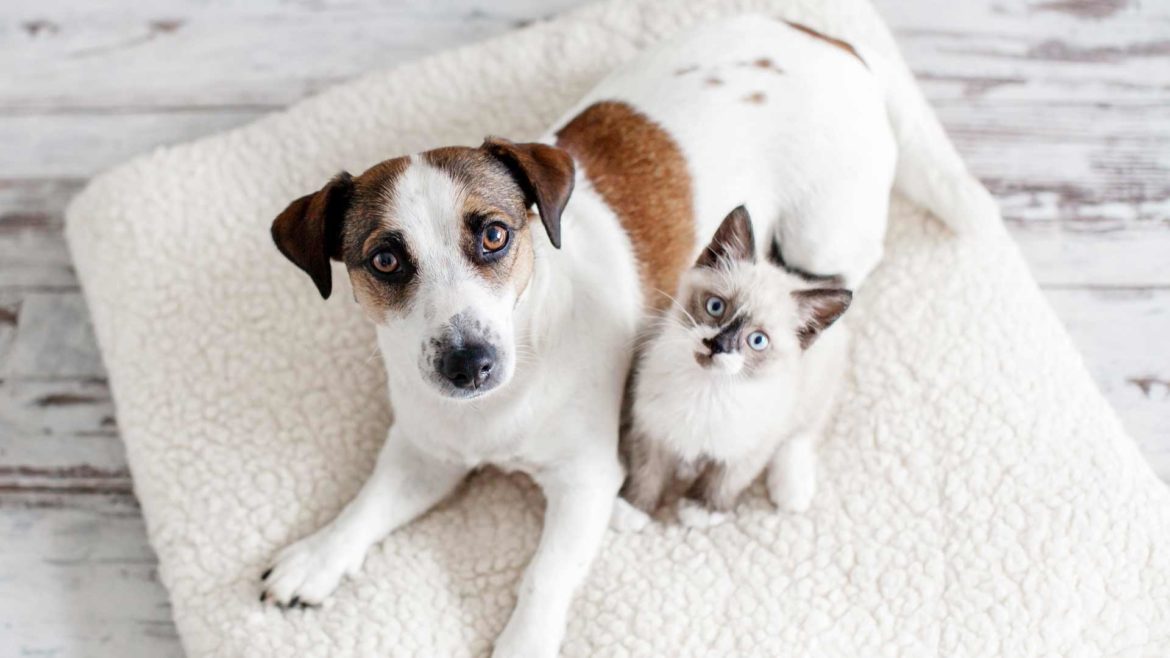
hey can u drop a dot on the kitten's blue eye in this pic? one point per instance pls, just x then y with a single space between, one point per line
758 340
715 306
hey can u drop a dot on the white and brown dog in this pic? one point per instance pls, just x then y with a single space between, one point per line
501 347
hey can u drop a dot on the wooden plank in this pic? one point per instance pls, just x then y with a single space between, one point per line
63 55
58 56
1064 257
1101 168
54 340
1102 154
1025 50
60 437
32 248
80 145
1122 335
80 580
56 416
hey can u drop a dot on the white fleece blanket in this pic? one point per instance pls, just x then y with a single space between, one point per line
979 497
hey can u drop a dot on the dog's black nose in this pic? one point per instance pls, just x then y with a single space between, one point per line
469 367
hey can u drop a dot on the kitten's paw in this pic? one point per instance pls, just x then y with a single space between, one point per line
792 491
307 571
627 518
694 514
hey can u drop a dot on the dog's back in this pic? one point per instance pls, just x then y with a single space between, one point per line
789 122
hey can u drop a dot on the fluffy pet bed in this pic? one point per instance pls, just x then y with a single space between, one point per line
979 497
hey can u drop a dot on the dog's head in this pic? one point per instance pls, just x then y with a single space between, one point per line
439 248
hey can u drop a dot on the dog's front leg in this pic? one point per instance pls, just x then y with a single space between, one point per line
580 498
405 483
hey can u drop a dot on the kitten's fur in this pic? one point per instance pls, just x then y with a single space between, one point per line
709 412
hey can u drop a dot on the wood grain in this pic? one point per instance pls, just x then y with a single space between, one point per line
1061 106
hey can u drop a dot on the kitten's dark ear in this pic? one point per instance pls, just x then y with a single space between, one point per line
819 309
545 174
733 240
308 232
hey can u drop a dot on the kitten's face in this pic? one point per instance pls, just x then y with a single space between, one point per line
735 318
739 317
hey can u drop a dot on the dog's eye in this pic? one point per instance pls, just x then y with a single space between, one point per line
385 261
757 340
495 237
716 307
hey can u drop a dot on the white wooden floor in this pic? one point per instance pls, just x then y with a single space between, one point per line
1062 107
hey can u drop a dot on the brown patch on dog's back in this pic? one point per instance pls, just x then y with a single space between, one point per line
641 173
766 64
713 82
832 41
755 98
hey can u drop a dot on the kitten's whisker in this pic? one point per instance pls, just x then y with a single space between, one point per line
676 304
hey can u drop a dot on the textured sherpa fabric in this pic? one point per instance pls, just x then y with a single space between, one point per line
978 495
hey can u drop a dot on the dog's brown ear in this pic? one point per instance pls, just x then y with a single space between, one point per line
733 240
308 232
545 174
819 308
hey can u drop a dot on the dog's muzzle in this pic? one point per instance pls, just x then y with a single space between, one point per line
469 367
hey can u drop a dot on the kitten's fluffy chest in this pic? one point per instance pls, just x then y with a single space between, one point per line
702 414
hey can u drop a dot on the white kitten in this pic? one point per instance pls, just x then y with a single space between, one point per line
741 374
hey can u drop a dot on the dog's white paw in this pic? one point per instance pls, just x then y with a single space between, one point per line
627 518
792 490
307 571
526 641
694 514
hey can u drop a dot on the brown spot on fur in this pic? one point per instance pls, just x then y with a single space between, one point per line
764 63
713 82
367 228
687 69
641 173
755 98
372 193
490 195
545 174
832 41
